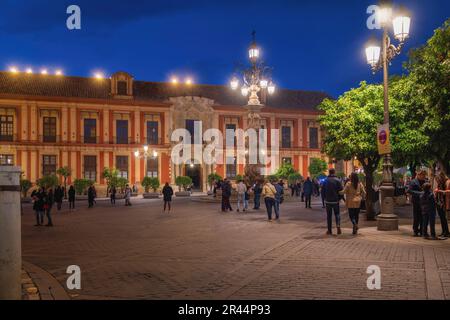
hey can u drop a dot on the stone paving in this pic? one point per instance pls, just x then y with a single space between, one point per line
197 252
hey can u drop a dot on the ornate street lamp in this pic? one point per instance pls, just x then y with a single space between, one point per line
256 79
145 154
380 58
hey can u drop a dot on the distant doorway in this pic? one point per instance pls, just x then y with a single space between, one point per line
195 173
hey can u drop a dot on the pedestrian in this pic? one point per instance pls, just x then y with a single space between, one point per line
91 196
226 194
167 192
247 197
215 187
332 187
95 194
38 206
354 193
298 188
415 190
48 205
428 209
442 201
322 194
279 187
302 183
59 195
308 187
268 194
71 198
127 195
257 190
241 189
112 195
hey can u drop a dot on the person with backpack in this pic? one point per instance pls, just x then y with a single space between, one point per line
278 198
332 187
38 206
226 194
354 192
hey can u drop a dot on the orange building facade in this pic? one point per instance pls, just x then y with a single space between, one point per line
87 124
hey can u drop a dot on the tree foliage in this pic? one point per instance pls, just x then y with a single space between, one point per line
151 182
48 181
429 68
285 171
317 167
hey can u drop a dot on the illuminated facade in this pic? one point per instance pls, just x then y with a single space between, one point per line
87 124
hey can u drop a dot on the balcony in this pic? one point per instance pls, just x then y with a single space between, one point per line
8 138
122 140
49 139
153 141
90 140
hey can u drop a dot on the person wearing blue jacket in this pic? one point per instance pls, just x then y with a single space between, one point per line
332 186
308 191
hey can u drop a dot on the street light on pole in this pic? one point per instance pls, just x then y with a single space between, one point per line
256 79
380 58
145 154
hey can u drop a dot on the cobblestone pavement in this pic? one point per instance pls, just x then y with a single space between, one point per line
197 252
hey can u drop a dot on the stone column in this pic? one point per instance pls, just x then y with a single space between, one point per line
10 234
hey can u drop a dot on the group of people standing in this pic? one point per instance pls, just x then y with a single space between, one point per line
43 201
271 192
427 202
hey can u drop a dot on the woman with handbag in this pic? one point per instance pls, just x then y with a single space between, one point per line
354 193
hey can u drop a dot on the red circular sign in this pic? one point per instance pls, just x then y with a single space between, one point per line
382 137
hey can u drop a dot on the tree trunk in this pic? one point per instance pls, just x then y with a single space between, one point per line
370 212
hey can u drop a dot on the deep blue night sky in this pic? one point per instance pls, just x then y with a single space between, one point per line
312 45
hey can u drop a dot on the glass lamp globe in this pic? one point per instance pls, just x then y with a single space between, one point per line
244 91
234 83
271 88
401 24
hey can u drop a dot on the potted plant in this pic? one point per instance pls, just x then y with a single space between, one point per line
81 186
64 172
121 184
213 178
183 183
25 185
151 183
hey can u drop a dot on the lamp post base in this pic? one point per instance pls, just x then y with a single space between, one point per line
387 220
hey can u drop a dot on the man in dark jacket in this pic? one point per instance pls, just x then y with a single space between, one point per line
59 195
167 192
415 190
226 194
257 190
331 188
428 207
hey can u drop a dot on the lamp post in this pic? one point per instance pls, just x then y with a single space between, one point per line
145 154
380 58
256 79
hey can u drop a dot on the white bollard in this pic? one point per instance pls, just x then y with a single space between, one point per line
10 234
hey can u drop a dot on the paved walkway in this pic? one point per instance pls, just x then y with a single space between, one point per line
196 252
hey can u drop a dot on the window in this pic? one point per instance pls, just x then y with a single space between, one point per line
48 165
313 138
231 126
90 131
122 166
90 168
287 160
152 132
285 137
122 131
190 126
152 167
6 128
6 160
231 168
49 129
122 89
